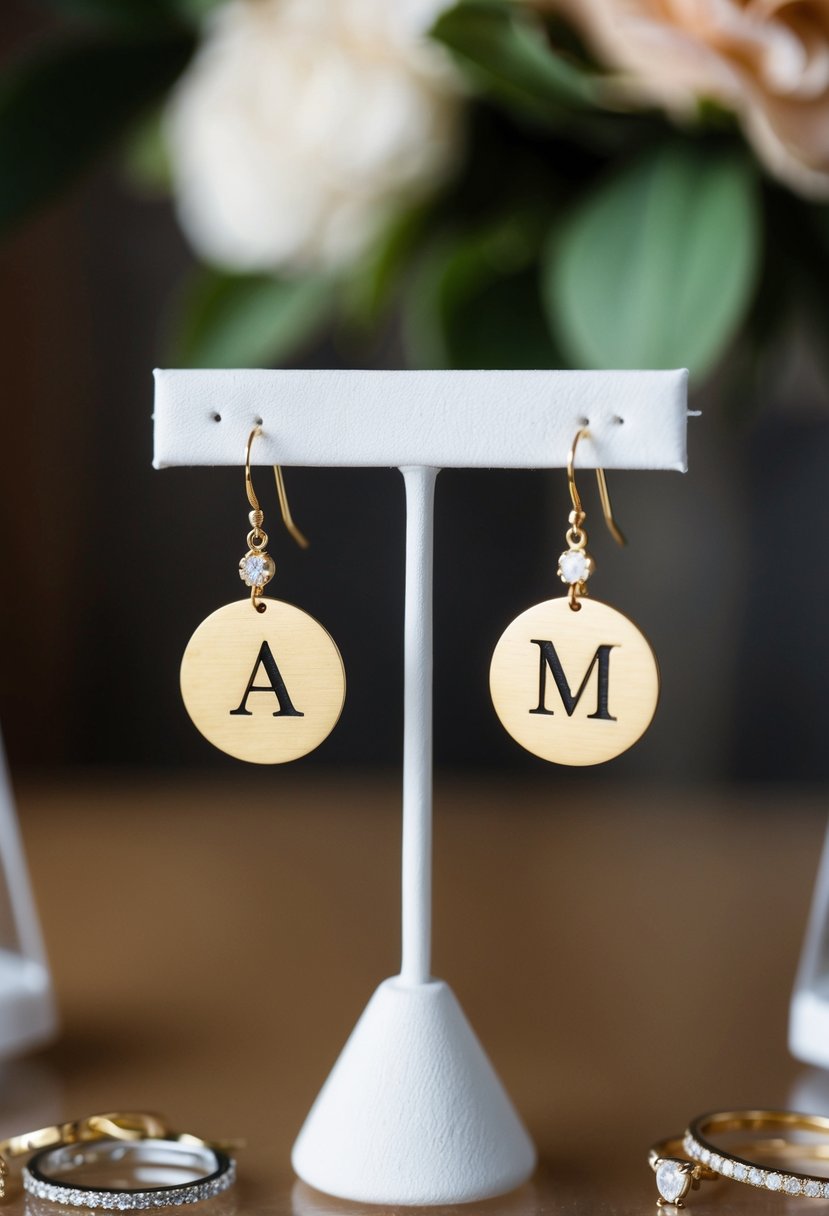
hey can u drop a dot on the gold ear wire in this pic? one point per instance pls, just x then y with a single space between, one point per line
607 508
288 519
285 510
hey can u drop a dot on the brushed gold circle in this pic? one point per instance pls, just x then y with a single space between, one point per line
574 687
266 687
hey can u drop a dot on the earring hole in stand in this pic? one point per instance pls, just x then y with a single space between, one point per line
618 420
584 422
259 421
216 417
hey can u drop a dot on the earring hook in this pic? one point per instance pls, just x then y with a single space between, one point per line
607 508
285 510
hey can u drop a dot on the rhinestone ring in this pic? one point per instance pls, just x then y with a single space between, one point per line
190 1172
680 1163
741 1169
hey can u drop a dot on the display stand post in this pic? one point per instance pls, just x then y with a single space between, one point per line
415 964
413 1112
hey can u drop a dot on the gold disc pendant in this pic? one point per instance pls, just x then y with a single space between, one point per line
574 687
264 686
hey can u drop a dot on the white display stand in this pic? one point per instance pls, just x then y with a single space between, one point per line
413 1112
809 1012
27 1007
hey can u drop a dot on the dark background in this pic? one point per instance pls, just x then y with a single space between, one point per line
108 566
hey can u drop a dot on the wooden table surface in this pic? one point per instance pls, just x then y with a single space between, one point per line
626 959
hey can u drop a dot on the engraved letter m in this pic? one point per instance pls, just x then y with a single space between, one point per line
549 660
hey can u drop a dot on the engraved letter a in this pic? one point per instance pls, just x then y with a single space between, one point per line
277 687
549 659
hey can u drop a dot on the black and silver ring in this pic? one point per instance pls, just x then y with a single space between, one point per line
207 1172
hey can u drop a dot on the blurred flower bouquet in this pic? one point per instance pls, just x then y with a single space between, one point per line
590 183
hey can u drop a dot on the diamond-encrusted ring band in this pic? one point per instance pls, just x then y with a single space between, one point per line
739 1168
183 1171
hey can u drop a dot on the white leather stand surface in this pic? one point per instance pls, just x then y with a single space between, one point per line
447 419
413 1111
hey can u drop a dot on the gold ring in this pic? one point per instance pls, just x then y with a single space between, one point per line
681 1162
742 1169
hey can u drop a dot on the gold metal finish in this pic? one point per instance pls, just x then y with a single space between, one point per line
287 517
756 1163
257 538
604 495
755 1121
138 1125
266 687
572 680
576 535
520 680
772 1149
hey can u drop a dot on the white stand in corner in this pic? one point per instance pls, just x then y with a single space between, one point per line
413 1112
27 1007
809 1012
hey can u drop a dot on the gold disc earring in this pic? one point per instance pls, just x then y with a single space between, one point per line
261 679
573 680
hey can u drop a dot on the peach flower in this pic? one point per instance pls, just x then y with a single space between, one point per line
767 60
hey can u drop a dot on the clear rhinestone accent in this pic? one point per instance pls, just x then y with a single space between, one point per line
716 1162
705 1156
671 1180
256 569
812 1189
773 1182
757 1177
791 1185
740 1172
574 566
160 1197
727 1168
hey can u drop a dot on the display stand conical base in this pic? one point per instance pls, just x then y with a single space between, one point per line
413 1112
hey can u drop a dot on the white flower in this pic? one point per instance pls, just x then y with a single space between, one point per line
302 125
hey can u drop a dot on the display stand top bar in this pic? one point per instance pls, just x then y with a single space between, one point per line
446 419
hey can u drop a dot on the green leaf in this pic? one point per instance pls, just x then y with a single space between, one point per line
58 112
504 50
475 301
248 320
145 158
373 279
195 11
657 267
